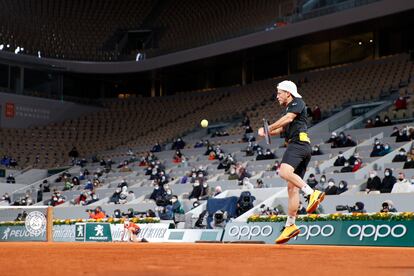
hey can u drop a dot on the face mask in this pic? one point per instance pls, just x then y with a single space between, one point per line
323 180
386 147
372 175
232 172
341 155
205 185
173 200
168 192
401 153
330 184
341 186
400 178
196 184
346 164
387 174
157 187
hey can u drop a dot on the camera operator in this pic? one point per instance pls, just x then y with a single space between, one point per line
219 220
97 213
388 206
357 208
245 202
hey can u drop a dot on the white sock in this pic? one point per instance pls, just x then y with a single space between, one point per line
307 189
290 220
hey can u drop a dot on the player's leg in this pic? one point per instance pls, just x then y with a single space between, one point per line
290 230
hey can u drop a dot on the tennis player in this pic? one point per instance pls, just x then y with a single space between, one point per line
297 155
132 230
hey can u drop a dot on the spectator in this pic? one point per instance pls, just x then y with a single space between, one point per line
402 185
158 192
312 182
177 209
388 181
387 121
46 186
56 199
269 155
322 182
360 207
301 209
275 167
233 175
98 213
247 185
340 160
245 202
373 182
409 164
156 147
177 157
89 185
342 187
199 144
197 191
10 179
347 167
123 196
349 142
357 165
388 206
248 130
316 114
395 132
333 140
6 198
331 189
378 122
74 154
386 149
377 149
316 150
400 103
354 158
369 124
115 196
401 156
246 121
259 184
402 136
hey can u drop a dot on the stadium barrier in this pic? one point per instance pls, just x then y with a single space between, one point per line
364 233
194 235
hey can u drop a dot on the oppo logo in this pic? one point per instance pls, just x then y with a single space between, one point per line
247 231
309 231
379 231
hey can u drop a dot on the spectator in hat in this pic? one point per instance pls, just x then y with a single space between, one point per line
388 181
332 189
401 156
388 206
312 182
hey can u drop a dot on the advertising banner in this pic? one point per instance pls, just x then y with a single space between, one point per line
193 235
64 233
20 233
367 233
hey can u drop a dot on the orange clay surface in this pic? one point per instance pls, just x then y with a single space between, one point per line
200 259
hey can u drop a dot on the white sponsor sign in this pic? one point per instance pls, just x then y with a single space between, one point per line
152 232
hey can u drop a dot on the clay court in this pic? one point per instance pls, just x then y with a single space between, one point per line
200 259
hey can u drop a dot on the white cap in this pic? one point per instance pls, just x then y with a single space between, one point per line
290 87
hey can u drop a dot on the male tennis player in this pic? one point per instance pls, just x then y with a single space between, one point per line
297 155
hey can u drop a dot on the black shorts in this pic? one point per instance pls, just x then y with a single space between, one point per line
298 155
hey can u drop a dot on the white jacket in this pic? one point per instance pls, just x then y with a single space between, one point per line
403 186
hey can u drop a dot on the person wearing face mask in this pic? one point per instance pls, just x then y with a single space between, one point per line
205 191
401 156
115 196
388 206
340 160
349 142
386 149
321 186
347 168
354 158
158 192
269 155
260 156
400 103
177 209
378 122
373 182
377 149
331 189
342 187
341 142
357 165
233 175
402 135
388 181
197 190
316 150
387 121
312 182
369 124
394 132
402 185
409 164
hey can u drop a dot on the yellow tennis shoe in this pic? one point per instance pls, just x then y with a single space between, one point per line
314 200
288 232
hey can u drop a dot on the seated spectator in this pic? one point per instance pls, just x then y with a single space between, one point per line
342 187
115 196
312 182
386 149
275 167
68 184
401 156
316 114
74 154
260 156
156 147
233 174
388 206
354 158
340 160
180 143
369 124
247 185
177 209
6 198
409 164
259 184
249 150
10 179
89 185
123 196
269 155
56 199
349 142
400 103
388 181
378 122
316 150
357 165
403 136
347 167
177 157
331 189
377 149
209 150
13 163
387 121
5 161
402 185
373 182
395 132
98 213
341 140
322 182
248 130
198 191
199 144
333 140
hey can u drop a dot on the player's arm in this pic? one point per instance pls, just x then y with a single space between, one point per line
285 120
276 131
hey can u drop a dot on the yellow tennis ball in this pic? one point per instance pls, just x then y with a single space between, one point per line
204 123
